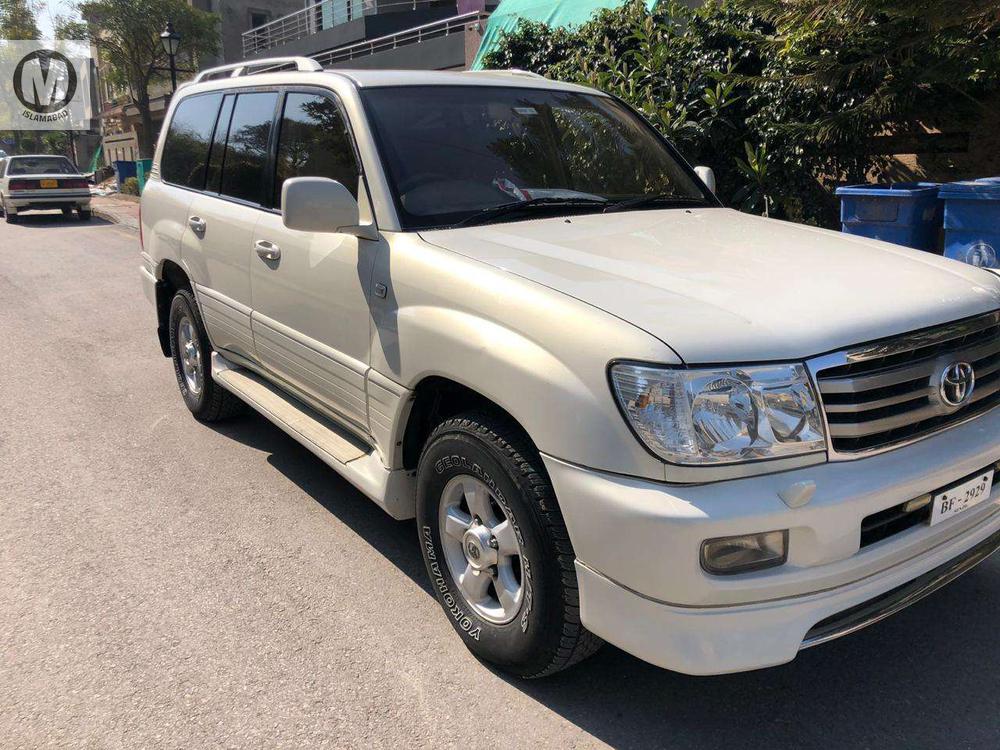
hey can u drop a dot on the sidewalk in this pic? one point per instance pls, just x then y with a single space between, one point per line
119 209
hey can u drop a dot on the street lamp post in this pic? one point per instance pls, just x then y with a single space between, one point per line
171 40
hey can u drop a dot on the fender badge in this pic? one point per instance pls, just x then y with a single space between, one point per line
798 494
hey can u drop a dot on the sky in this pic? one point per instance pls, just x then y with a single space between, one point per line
47 10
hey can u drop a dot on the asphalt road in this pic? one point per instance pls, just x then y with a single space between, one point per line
164 583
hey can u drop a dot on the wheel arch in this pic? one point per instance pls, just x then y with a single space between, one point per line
170 278
436 398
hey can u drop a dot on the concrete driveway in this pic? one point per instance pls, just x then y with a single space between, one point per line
164 583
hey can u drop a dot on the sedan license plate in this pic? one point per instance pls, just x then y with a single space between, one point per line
961 497
48 183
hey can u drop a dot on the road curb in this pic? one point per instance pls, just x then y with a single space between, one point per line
114 218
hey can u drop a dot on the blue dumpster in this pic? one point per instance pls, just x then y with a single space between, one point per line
906 213
972 221
124 170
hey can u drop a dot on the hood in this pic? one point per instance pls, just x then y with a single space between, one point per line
717 285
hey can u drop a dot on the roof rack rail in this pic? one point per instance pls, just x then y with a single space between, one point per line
235 70
510 72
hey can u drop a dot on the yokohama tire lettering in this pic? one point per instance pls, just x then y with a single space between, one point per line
454 609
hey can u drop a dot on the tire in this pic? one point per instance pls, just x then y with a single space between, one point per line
67 211
207 401
539 633
11 218
84 215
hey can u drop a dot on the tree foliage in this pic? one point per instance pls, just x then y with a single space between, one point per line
781 98
17 20
127 35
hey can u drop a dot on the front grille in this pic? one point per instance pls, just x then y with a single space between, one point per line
887 392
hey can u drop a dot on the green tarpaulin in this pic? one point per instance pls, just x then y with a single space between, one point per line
550 12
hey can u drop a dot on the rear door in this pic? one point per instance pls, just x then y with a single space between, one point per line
221 218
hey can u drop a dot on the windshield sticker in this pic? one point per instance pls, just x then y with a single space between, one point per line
506 186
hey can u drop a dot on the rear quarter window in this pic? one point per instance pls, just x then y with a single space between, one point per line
185 149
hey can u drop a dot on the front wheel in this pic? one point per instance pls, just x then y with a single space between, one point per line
191 353
84 214
496 547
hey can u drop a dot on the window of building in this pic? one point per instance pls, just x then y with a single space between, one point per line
247 146
185 150
259 18
314 142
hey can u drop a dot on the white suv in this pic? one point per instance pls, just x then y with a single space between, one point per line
505 306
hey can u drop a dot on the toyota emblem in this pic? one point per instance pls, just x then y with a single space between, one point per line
957 383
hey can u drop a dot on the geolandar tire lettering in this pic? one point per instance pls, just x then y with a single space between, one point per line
495 547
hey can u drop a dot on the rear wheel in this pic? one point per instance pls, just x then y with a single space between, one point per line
496 548
11 218
191 354
67 211
84 214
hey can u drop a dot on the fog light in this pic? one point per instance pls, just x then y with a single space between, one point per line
739 554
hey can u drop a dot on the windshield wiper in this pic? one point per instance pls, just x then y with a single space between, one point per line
645 200
495 212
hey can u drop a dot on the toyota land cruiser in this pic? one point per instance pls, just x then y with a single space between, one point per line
507 307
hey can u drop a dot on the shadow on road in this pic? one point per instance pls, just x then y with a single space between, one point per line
926 678
57 219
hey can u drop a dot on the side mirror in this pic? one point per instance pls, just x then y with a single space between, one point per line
319 204
707 176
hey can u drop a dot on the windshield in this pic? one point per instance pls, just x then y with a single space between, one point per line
452 152
41 165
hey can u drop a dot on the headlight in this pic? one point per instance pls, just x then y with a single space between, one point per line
717 416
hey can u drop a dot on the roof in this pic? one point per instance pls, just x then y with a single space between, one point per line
374 78
363 78
37 156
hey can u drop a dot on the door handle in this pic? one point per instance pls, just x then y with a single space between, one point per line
197 224
267 250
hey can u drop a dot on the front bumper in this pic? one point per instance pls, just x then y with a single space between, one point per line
637 544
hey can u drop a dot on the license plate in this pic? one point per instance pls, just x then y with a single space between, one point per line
961 497
48 183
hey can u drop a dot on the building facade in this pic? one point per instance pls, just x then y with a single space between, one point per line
408 34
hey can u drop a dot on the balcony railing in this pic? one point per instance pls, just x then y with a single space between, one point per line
323 15
444 27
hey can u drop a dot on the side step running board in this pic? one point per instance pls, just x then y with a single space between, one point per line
357 462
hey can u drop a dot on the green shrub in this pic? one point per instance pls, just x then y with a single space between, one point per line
736 86
130 186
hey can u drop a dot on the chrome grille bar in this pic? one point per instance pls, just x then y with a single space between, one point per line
880 395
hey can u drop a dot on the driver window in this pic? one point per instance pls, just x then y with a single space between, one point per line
314 142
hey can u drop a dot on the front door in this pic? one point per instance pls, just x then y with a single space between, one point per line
311 323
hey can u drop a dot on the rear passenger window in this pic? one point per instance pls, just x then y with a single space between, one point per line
185 150
246 150
314 142
213 178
